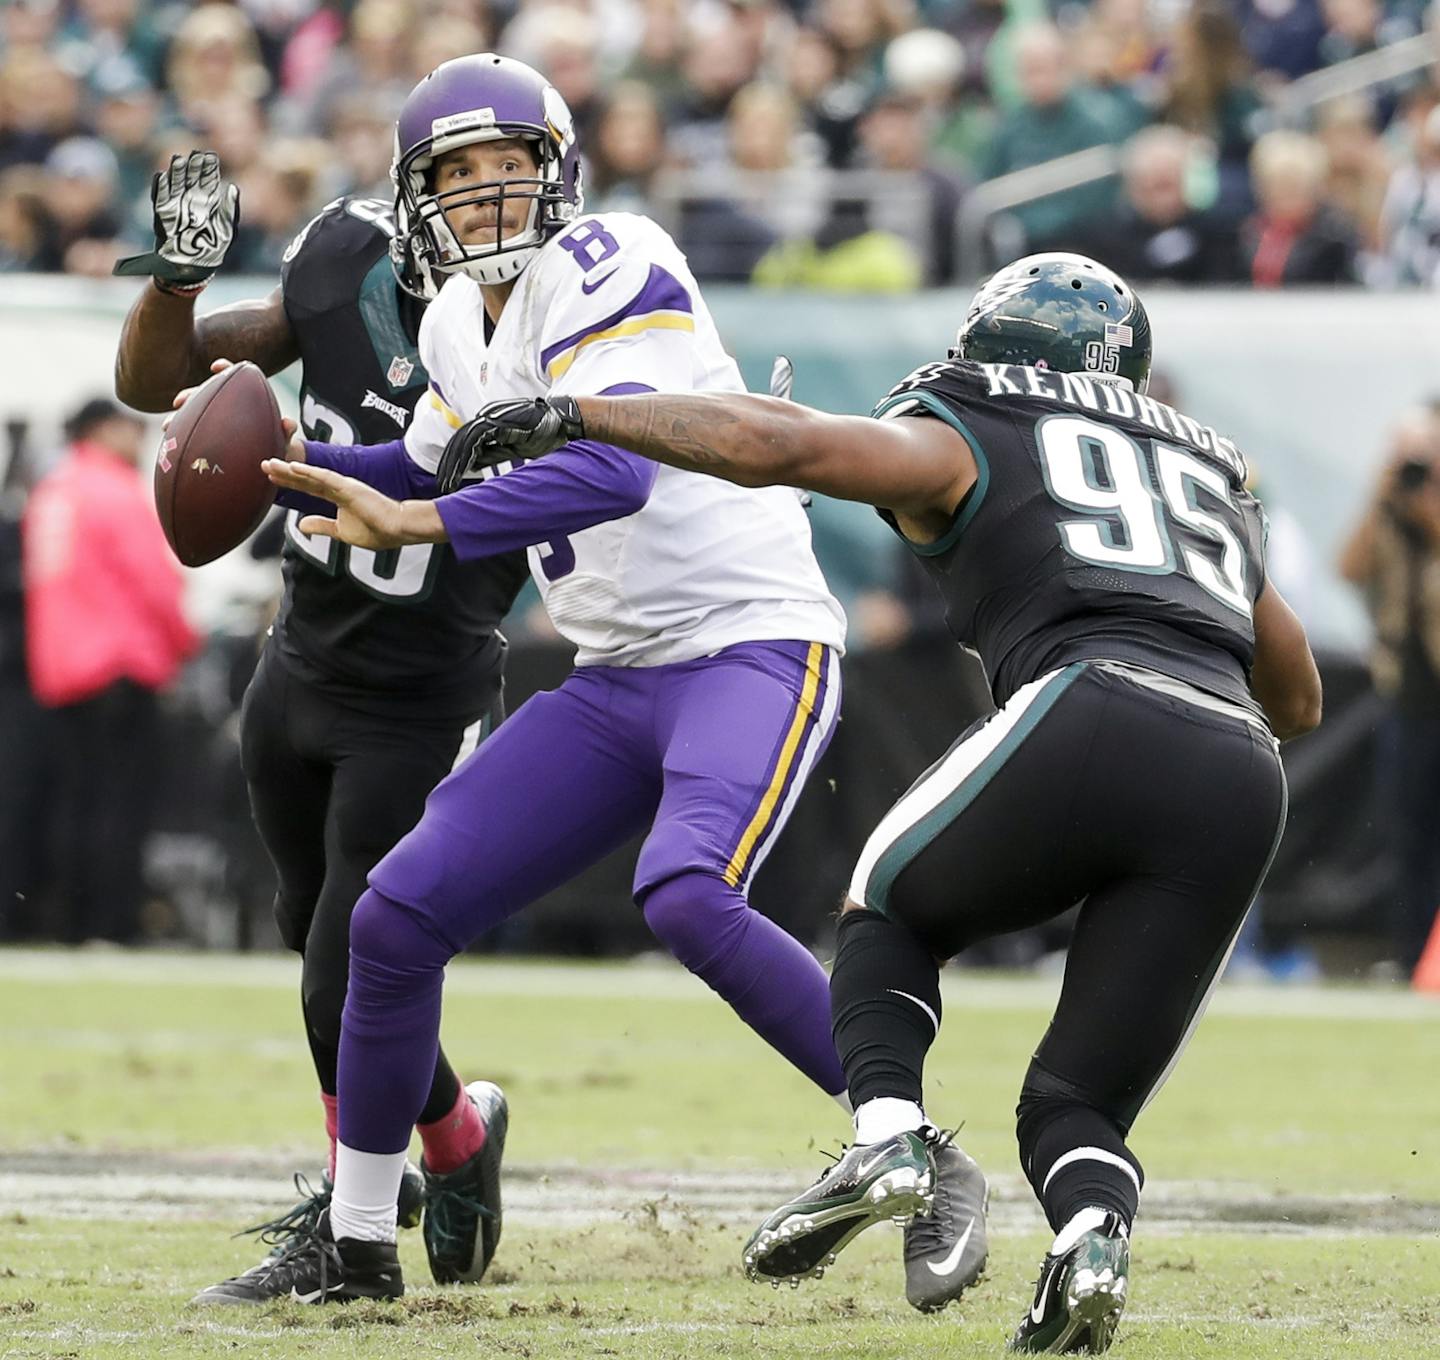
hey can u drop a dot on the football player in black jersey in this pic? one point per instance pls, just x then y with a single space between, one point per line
381 669
1100 552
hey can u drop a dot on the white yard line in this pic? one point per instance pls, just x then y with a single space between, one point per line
45 1186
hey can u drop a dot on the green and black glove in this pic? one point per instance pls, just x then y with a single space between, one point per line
196 213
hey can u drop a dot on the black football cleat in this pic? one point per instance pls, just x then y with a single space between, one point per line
893 1179
462 1207
946 1249
302 1217
315 1268
1079 1296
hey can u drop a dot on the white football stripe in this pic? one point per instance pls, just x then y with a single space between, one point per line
934 1019
1091 1154
954 769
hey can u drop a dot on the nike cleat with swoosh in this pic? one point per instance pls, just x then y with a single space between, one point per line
302 1217
462 1207
946 1249
1079 1296
893 1179
315 1268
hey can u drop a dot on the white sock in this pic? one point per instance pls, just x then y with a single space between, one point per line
877 1120
366 1187
842 1099
1077 1227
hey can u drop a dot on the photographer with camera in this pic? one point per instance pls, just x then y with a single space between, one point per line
1393 556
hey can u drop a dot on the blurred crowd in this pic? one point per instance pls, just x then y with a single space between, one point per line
814 143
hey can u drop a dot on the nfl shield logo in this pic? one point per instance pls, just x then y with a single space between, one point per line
400 370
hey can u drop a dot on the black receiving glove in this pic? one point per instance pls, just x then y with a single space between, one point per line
508 432
196 214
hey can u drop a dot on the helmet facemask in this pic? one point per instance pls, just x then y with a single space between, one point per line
427 247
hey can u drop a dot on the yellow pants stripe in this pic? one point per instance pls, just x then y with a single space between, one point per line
789 752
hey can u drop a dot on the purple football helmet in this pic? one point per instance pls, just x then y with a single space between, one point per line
477 99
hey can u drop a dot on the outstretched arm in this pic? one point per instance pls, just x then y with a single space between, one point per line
910 465
163 347
585 485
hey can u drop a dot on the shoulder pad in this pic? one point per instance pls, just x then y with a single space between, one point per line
453 305
352 222
326 263
945 377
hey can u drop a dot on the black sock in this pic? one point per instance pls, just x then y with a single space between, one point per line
1073 1153
885 1003
444 1091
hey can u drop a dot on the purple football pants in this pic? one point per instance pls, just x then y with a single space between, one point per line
710 753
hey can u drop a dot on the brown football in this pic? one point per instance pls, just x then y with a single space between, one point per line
210 493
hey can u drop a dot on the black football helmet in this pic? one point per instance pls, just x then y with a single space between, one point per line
1061 312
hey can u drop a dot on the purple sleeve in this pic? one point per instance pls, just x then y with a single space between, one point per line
581 485
386 467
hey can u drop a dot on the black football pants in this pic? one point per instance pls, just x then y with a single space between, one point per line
1158 814
332 789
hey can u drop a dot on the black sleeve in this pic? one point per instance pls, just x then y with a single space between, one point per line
1257 535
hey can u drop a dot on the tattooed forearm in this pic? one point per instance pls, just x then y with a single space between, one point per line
259 332
751 440
692 440
701 433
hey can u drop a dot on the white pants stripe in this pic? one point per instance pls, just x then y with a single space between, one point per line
469 740
941 781
1091 1154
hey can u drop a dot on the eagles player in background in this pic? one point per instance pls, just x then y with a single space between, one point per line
1100 552
381 669
707 675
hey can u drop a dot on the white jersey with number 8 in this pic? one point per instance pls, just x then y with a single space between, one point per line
611 303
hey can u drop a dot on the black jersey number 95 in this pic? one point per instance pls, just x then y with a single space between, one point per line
1161 513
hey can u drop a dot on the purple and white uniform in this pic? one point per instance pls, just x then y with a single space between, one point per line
700 564
706 683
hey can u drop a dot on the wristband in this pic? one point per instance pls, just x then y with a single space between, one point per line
182 290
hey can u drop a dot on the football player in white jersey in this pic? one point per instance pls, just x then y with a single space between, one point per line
707 678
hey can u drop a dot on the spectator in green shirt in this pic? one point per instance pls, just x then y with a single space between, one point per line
1055 117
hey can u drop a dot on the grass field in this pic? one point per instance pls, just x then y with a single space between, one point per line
150 1105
